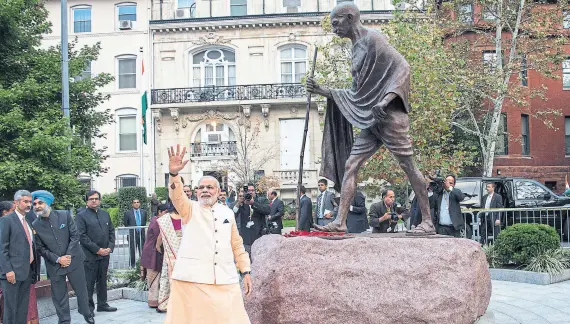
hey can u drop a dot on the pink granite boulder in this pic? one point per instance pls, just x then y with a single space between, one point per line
368 280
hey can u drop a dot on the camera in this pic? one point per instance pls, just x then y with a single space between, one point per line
246 195
397 208
394 216
436 184
271 228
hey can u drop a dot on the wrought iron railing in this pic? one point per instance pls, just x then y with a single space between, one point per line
127 180
227 93
213 149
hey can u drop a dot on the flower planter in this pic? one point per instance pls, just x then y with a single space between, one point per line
530 277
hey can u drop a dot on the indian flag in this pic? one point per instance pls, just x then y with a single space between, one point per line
144 102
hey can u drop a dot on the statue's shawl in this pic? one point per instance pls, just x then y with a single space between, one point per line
377 69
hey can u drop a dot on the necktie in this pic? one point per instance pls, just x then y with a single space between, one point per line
29 239
271 204
319 205
138 219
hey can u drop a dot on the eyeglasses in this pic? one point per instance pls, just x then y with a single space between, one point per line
93 199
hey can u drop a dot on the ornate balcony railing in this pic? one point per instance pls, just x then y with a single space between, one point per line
228 93
213 149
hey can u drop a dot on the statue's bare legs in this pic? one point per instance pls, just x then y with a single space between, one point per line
418 184
348 191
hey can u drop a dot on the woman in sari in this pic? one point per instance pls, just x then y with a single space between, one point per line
7 207
151 259
171 234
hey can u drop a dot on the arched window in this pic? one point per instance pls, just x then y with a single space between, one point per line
213 66
126 129
126 180
293 63
126 15
81 19
126 72
127 11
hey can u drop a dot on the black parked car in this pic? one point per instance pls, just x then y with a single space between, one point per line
519 193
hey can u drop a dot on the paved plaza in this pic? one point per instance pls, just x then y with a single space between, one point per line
530 304
510 303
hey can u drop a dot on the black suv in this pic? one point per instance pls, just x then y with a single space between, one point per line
518 193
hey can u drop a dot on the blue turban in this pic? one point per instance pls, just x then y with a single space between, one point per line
44 196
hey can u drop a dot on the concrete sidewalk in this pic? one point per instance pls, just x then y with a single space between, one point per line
510 303
530 304
129 312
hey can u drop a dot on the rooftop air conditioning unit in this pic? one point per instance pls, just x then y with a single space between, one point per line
125 24
182 13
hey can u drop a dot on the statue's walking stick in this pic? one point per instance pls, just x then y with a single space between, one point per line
302 157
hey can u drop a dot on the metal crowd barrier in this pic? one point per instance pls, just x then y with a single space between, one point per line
121 256
480 223
124 244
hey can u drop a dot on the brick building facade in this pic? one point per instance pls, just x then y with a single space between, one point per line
529 148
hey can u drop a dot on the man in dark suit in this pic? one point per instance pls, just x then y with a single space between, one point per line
447 211
380 213
231 195
491 222
58 242
305 212
251 213
276 211
356 221
18 266
97 238
325 205
31 217
135 217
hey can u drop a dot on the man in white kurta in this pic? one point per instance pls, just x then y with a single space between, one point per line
204 287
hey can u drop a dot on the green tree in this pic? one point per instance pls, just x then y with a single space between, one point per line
433 101
494 45
34 137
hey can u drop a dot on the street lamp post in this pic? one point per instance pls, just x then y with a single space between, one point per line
64 63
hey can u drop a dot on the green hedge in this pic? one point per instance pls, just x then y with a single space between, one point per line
115 219
521 242
126 196
110 200
161 193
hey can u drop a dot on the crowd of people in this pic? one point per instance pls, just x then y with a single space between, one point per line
181 261
75 252
189 266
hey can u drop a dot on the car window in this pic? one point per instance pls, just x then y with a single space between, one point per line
529 190
468 187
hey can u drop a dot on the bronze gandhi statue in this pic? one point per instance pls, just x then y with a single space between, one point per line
378 104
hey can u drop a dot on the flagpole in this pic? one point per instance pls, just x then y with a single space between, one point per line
142 184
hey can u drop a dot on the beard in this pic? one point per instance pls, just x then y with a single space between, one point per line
44 212
208 201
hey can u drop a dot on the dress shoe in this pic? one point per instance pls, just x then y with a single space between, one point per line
106 308
89 319
160 311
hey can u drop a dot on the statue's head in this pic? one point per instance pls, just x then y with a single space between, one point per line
344 17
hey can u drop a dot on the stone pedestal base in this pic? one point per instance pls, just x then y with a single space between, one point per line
368 279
